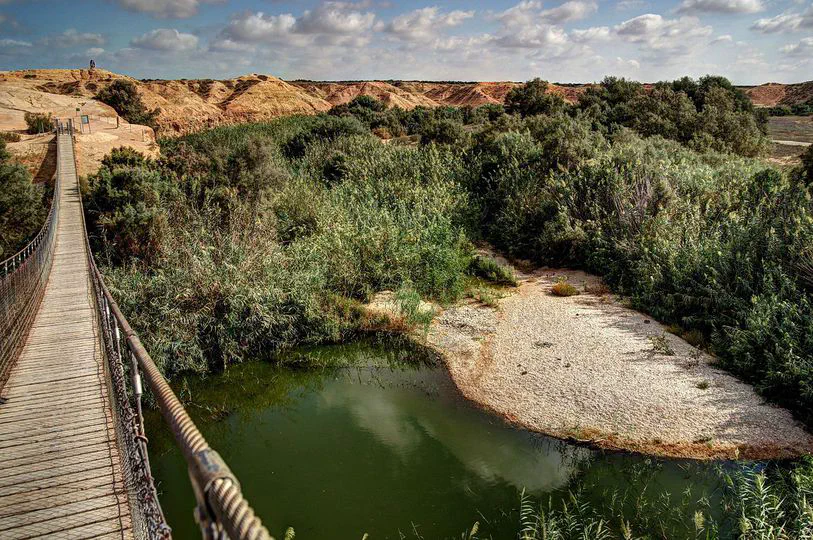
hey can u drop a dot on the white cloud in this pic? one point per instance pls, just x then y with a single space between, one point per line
721 6
624 5
530 12
334 18
528 26
675 36
426 23
14 43
785 22
94 51
725 38
222 44
259 27
165 39
73 38
166 9
804 48
575 10
331 23
597 33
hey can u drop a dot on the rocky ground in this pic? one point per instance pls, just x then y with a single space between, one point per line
589 369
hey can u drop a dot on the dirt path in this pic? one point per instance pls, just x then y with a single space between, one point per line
586 368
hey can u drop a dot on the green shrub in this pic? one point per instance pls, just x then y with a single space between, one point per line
534 97
124 207
490 270
326 128
123 96
9 136
443 132
807 164
39 122
22 210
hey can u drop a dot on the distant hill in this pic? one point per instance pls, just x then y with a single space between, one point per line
191 105
773 94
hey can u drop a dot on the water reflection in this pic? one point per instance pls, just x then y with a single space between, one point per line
485 446
386 450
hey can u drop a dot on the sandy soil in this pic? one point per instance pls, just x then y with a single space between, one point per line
587 368
37 152
103 136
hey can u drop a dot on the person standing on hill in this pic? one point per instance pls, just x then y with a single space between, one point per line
92 64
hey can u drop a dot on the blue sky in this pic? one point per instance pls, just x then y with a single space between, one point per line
749 41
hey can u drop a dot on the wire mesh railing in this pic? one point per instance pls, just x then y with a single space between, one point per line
23 278
222 512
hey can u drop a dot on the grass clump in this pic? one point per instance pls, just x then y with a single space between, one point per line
9 136
563 288
661 345
489 269
748 503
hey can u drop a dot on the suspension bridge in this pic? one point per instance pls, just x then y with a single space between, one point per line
74 460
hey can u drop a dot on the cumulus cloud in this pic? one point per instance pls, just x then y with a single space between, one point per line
531 12
527 26
166 9
259 27
165 39
725 38
721 6
785 22
331 23
803 49
73 38
424 24
334 18
575 10
660 34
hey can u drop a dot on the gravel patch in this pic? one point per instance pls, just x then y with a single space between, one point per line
586 368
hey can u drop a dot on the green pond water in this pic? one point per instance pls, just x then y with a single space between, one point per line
387 447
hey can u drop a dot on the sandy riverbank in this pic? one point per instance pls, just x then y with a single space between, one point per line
587 368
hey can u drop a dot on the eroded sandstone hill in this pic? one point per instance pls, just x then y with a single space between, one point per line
190 105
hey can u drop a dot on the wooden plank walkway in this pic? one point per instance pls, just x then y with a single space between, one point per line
60 471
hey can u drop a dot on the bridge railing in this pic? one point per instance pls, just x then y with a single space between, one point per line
222 512
23 278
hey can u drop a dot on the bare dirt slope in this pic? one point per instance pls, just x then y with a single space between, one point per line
773 94
190 105
61 93
341 93
586 368
184 106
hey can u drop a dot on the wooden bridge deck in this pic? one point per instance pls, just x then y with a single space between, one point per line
60 470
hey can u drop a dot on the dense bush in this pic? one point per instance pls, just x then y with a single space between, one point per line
9 136
798 109
276 231
287 259
533 98
22 210
708 114
709 243
123 96
38 122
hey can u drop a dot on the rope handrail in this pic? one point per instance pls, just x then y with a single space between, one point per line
23 278
222 511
